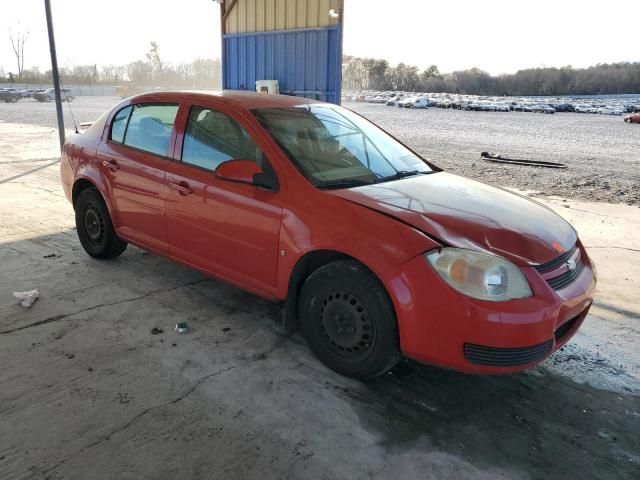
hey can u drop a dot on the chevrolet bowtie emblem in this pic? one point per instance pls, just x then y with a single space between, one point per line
571 265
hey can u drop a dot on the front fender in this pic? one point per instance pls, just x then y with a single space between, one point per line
377 241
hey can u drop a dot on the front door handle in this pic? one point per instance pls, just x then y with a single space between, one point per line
111 165
182 188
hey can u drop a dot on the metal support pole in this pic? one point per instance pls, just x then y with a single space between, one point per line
54 72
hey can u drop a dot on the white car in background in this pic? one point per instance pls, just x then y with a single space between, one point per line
610 111
585 109
393 100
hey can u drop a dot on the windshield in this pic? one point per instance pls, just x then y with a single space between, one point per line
333 147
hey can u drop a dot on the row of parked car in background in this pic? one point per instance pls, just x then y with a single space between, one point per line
12 95
496 104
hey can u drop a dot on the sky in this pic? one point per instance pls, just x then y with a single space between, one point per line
500 36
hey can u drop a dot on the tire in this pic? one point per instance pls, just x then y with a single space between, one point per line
94 226
14 99
47 99
348 320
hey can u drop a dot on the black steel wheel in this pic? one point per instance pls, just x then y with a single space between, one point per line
346 323
95 230
94 224
348 320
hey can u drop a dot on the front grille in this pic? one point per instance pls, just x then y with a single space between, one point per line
567 277
506 357
556 262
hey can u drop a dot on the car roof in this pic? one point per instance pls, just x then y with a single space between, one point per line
239 99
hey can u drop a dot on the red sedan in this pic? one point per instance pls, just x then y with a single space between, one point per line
374 252
635 118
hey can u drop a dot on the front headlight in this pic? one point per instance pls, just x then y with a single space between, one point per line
479 275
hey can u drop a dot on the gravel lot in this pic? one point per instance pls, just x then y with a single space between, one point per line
602 152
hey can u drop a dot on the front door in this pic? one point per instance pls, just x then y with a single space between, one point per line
228 229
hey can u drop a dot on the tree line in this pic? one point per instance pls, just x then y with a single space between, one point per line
375 74
152 71
357 74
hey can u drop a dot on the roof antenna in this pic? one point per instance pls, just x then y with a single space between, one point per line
75 125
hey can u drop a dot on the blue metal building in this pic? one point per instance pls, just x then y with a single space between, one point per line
297 42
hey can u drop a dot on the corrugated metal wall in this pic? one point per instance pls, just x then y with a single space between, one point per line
267 15
293 41
305 62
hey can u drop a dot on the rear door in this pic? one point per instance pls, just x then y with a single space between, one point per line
228 229
134 159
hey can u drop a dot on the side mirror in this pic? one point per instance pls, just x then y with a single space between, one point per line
246 171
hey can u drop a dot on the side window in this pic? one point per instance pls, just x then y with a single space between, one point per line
212 138
150 127
119 123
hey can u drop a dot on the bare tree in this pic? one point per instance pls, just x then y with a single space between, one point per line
153 57
17 43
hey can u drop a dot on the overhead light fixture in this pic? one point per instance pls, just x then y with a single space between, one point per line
333 13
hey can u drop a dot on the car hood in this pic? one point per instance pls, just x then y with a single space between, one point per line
467 214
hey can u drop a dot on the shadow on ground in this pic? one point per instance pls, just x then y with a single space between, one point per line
545 424
537 422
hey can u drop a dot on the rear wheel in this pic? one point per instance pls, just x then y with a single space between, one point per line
94 226
348 320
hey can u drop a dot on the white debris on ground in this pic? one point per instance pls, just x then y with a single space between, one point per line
27 298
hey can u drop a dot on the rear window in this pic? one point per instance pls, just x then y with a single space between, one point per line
149 127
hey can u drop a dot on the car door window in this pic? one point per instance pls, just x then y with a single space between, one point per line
212 138
150 127
119 124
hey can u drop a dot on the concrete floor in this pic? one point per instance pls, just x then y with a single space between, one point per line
88 392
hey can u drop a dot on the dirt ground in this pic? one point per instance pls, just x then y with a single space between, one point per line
88 391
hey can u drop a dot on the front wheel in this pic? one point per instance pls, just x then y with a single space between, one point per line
94 226
348 320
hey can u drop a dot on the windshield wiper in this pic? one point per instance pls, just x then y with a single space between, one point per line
348 183
402 174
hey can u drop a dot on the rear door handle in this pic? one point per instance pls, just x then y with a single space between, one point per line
111 165
182 188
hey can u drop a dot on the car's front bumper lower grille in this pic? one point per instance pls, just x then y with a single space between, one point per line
566 327
506 357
